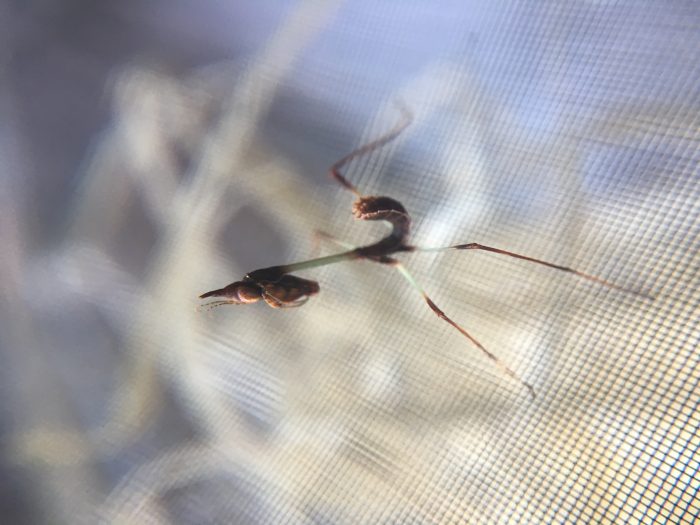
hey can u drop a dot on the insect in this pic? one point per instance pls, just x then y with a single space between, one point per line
280 289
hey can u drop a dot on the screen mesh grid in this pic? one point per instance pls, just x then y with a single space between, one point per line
565 131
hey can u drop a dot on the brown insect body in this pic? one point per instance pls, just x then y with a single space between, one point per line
281 291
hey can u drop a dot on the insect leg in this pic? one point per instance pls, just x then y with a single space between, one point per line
497 361
407 118
482 247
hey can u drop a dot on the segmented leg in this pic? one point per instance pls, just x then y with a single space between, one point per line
498 362
477 246
407 118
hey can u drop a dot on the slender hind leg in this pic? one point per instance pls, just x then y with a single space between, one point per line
497 361
407 118
482 247
406 274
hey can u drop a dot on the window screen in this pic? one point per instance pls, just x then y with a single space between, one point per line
565 131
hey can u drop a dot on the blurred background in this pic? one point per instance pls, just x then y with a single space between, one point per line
151 151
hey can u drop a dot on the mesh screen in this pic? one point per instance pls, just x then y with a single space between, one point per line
567 131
